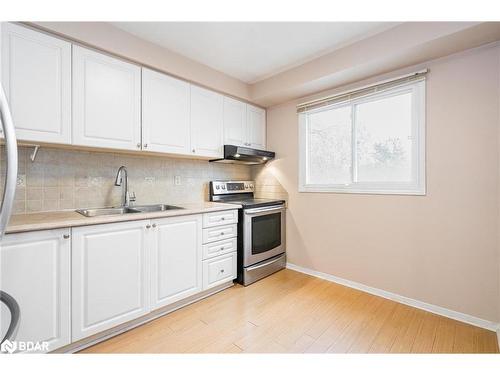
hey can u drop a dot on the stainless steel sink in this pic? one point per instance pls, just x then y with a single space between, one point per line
156 208
91 212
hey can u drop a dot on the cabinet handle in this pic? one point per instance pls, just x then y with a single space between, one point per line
138 145
66 236
193 150
222 271
221 233
154 225
223 218
148 226
222 248
145 145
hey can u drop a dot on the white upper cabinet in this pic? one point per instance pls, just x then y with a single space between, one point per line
176 268
256 127
110 276
106 101
235 122
68 94
36 76
244 124
35 270
206 122
165 113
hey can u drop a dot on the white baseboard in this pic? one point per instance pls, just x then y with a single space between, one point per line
498 337
478 322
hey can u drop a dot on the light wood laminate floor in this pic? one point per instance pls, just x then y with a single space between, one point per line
290 312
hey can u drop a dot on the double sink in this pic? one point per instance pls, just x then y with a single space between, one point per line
91 212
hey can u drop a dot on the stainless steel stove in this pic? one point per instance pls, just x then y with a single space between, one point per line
261 229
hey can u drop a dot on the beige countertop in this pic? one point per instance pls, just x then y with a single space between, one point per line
70 218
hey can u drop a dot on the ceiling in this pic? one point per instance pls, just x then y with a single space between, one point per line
253 51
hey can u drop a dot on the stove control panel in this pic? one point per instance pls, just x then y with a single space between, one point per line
231 187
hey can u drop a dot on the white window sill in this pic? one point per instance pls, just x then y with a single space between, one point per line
317 189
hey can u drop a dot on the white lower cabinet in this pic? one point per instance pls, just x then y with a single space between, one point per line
110 276
72 286
176 254
35 270
214 249
215 219
221 232
220 244
219 270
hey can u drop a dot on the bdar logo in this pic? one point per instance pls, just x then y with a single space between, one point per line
8 347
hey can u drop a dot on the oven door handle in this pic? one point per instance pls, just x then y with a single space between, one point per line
264 209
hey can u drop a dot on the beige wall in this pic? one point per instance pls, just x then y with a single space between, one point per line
109 38
383 52
442 248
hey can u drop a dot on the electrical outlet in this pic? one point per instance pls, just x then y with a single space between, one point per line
177 180
21 180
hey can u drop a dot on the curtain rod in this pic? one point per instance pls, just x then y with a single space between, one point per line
346 95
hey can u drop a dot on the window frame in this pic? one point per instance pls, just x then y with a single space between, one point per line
418 184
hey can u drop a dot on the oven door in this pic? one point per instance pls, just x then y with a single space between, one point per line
263 233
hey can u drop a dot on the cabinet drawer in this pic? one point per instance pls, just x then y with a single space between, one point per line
222 232
214 249
213 219
219 270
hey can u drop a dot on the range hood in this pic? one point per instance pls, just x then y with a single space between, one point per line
244 155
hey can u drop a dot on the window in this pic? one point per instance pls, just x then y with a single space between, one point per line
372 144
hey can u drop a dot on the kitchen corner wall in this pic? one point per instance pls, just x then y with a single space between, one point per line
441 248
267 184
62 179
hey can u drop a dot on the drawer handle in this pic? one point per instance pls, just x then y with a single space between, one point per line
66 236
221 233
222 248
222 271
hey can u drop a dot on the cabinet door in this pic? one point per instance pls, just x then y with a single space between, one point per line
106 101
235 122
206 122
165 113
176 268
219 270
35 270
109 276
256 127
36 76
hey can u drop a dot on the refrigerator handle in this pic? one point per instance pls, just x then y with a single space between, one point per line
11 162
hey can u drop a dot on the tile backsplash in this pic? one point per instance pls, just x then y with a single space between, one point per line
267 183
65 179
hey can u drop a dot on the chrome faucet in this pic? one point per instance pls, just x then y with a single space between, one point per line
122 180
